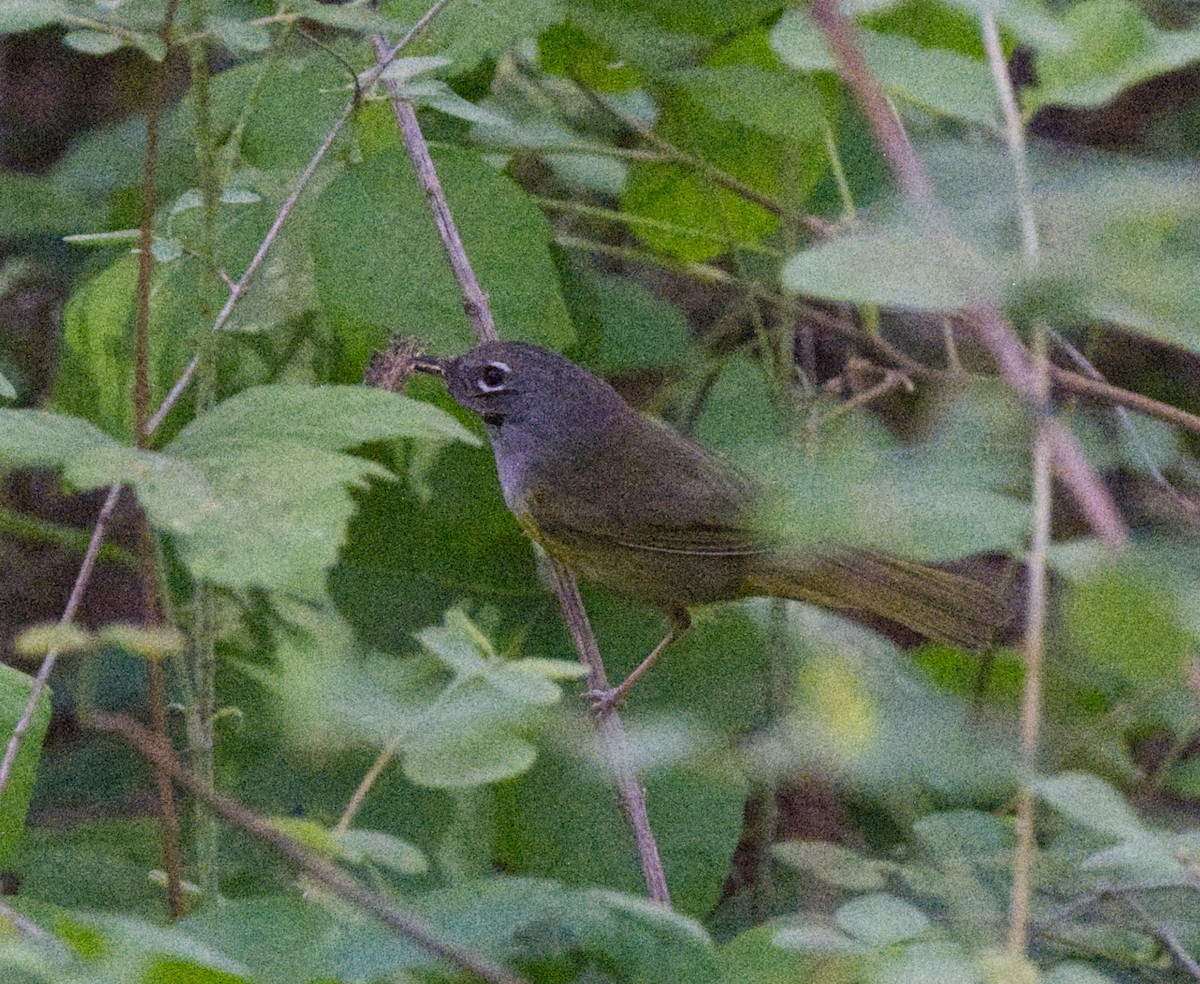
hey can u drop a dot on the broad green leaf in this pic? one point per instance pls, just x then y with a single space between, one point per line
902 266
1128 620
590 847
287 938
384 849
775 102
514 917
832 863
1113 46
637 328
277 514
935 962
239 35
881 919
29 15
1027 20
1074 973
938 81
467 33
278 497
92 42
95 376
96 865
964 832
710 220
1090 801
15 688
755 957
567 49
175 493
442 759
333 418
816 939
41 439
381 266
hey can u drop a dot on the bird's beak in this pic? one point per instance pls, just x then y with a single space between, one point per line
431 364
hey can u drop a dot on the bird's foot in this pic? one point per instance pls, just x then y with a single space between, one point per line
603 700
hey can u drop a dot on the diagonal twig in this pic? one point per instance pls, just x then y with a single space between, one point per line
407 925
236 292
985 320
478 311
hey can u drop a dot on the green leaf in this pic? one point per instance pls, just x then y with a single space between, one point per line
384 849
467 33
968 833
568 50
29 15
333 418
381 264
1089 800
283 939
712 219
881 919
1127 620
174 493
277 514
278 497
1112 46
92 42
96 374
832 863
444 758
15 688
938 81
776 103
930 963
589 845
239 35
901 265
813 938
1074 973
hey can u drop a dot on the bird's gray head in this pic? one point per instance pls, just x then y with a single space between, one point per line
518 386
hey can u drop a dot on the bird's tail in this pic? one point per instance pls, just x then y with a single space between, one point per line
886 593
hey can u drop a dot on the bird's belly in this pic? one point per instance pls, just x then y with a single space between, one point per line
661 578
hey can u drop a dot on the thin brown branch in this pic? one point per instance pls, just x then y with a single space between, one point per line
238 289
611 733
908 168
404 924
1105 392
1167 938
356 800
1021 895
818 227
475 301
478 311
68 616
167 813
986 322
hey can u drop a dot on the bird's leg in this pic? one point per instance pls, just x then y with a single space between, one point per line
605 700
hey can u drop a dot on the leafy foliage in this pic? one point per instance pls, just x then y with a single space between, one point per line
686 198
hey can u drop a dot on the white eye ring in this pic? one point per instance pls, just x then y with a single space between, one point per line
484 386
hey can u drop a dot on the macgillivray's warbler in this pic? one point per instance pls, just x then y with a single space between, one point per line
652 516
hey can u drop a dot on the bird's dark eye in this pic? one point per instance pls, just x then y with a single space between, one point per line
492 377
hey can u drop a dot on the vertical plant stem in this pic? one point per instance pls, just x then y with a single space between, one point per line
1020 903
1021 900
151 607
475 305
201 711
611 732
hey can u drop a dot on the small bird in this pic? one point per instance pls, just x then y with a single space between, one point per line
629 503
